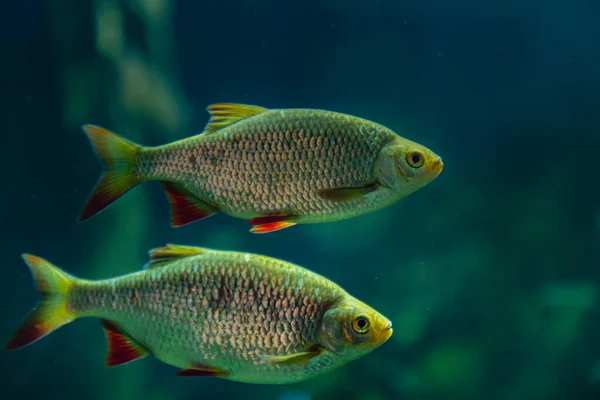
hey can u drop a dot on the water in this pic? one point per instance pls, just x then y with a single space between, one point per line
489 273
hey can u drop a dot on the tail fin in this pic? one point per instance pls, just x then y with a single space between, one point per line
118 156
51 311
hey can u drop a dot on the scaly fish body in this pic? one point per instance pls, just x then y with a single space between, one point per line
276 162
239 316
278 167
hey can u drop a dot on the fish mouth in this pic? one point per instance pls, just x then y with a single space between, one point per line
385 333
436 168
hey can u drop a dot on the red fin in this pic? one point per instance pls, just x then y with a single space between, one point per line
202 370
121 349
51 311
268 219
118 157
272 227
271 223
184 207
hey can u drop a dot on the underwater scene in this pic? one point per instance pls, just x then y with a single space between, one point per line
304 200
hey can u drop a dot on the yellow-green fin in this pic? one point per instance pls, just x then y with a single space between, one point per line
297 358
161 256
118 156
346 194
51 312
225 114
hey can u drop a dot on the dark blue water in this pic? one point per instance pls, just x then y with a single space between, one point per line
489 274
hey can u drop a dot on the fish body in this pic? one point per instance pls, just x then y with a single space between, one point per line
275 168
238 316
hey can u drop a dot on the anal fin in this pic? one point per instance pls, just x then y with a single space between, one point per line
346 194
121 349
271 223
185 207
202 370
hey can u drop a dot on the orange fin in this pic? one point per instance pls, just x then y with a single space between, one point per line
225 114
162 256
271 227
51 311
271 223
118 157
346 194
202 370
121 349
185 208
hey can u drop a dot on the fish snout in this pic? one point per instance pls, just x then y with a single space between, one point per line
436 167
386 332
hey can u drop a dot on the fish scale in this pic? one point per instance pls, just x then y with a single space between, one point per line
276 168
268 163
225 320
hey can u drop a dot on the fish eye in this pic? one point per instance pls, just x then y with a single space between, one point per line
415 159
361 324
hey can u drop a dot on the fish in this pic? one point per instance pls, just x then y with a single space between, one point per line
233 315
274 168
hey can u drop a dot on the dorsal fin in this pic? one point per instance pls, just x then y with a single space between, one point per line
161 256
225 114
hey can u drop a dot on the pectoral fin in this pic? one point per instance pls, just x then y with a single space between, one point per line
292 359
346 194
202 370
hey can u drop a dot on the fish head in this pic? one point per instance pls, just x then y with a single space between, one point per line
353 329
405 166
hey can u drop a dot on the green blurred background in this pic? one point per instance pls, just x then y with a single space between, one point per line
489 274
